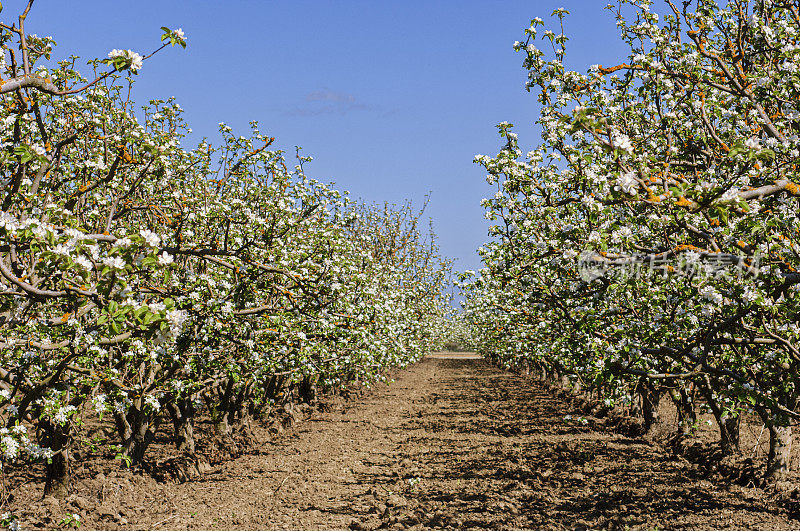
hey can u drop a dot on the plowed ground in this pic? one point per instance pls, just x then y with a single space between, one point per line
452 443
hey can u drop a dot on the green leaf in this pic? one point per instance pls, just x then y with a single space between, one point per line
736 149
767 155
24 152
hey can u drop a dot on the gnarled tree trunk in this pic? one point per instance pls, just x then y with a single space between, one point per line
137 430
649 396
780 450
687 416
57 470
728 424
182 412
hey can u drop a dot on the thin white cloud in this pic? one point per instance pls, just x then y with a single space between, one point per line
330 95
326 101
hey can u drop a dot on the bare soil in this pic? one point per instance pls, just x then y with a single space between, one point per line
452 443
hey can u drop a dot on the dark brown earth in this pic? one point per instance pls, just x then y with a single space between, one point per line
452 443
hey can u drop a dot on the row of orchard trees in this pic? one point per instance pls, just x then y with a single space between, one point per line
145 282
649 245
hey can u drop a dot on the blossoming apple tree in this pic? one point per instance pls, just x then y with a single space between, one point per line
649 244
144 282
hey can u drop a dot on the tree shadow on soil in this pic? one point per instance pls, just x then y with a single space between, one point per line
504 456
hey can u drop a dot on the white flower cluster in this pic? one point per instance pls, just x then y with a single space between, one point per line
627 183
132 59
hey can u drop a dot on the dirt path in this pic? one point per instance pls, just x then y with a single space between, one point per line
453 443
457 443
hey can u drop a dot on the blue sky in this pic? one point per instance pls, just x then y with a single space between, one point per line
392 99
